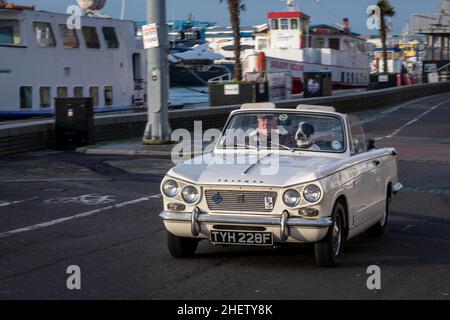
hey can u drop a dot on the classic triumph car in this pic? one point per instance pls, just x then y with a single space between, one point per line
277 176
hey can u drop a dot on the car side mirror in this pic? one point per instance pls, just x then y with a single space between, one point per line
371 144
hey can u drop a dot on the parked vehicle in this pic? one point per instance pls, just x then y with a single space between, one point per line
328 184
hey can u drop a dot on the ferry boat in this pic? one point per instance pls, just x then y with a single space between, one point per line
42 59
290 45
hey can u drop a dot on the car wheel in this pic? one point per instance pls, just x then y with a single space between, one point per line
180 247
329 250
380 228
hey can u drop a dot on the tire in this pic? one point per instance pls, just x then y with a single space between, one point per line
180 247
329 250
379 229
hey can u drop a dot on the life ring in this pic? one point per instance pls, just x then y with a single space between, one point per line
262 62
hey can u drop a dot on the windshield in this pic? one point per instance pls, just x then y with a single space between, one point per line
294 131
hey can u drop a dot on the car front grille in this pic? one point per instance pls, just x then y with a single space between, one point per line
236 200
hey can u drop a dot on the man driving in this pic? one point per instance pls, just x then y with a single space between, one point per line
270 134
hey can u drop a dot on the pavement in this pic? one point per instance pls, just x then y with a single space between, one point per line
100 212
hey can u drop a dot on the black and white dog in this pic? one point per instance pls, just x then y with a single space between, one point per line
304 136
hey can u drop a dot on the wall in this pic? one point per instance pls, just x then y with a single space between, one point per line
38 135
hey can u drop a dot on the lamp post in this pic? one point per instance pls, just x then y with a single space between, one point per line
158 129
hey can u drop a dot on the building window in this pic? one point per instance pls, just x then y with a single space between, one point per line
9 32
70 37
78 92
274 24
108 96
91 38
44 35
284 24
61 92
45 94
93 93
110 37
26 97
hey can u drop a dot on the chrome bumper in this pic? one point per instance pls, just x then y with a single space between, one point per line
396 188
284 221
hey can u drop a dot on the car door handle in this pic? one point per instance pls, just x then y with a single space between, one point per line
376 162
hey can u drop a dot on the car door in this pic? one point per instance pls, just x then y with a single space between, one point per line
366 181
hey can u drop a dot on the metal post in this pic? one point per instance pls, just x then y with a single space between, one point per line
158 129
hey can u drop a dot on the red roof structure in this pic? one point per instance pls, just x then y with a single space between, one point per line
288 15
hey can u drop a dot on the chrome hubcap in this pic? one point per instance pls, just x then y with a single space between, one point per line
337 236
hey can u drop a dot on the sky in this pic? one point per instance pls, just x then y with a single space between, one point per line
326 11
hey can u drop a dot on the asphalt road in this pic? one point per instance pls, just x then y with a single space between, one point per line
101 214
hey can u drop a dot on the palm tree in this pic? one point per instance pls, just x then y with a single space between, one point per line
235 7
386 10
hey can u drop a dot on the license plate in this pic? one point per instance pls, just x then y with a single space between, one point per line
249 238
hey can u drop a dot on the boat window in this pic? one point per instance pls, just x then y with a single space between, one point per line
319 43
93 93
91 38
9 32
284 24
110 37
334 43
274 24
78 92
61 92
26 97
45 97
108 96
262 44
294 24
70 37
44 34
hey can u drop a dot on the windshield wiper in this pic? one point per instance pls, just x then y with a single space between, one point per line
283 146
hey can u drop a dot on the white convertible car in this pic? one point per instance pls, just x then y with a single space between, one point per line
277 176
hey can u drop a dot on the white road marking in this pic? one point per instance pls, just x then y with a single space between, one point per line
396 131
55 180
409 226
391 110
77 216
87 199
5 204
156 196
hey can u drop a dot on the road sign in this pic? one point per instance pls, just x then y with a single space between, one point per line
150 36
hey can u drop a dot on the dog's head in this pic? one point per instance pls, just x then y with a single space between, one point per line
304 134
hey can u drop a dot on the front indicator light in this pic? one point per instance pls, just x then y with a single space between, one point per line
176 207
308 212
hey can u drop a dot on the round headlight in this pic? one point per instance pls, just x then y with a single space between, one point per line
291 197
170 188
189 194
312 193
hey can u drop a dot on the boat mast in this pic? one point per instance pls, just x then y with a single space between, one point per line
122 11
291 7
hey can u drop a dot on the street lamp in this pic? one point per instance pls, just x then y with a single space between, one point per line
157 130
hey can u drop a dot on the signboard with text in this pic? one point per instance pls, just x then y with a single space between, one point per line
150 36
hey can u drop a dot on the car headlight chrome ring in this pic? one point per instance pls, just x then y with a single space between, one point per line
291 197
190 194
170 188
312 193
